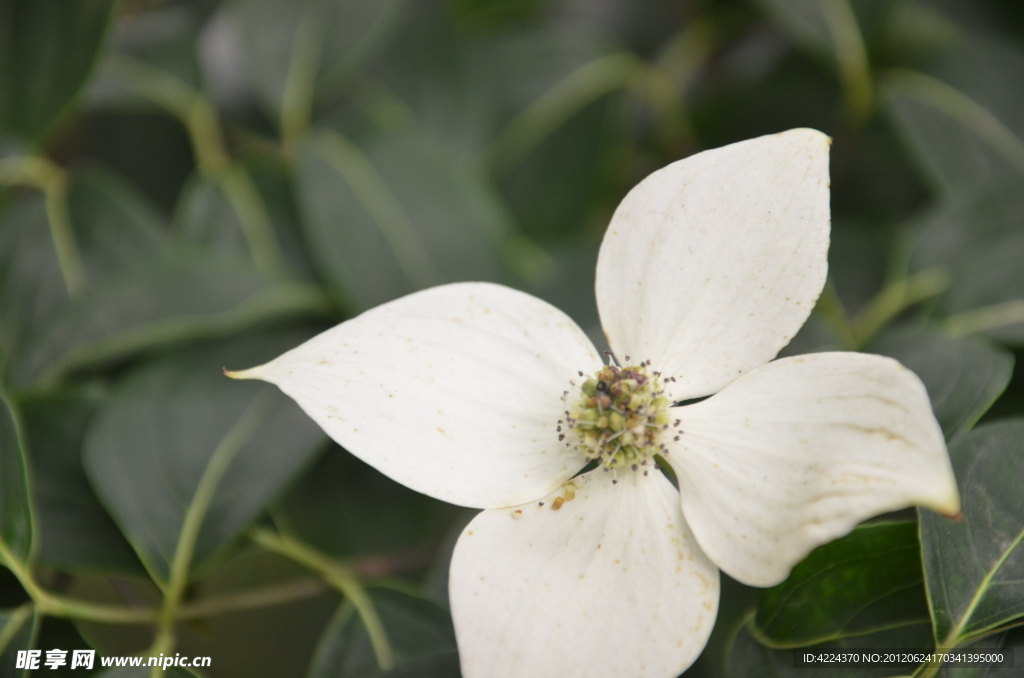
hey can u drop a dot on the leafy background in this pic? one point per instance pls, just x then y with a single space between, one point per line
192 184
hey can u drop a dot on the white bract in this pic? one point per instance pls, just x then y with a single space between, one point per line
487 397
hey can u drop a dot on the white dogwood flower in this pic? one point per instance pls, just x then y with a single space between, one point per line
487 397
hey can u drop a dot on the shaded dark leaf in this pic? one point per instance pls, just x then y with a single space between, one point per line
748 659
420 633
398 216
75 531
47 48
152 443
173 299
869 580
16 523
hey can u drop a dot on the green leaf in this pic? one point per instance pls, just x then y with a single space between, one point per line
962 119
963 376
976 236
173 299
115 227
16 521
18 629
867 581
748 659
205 216
313 45
420 633
47 48
31 286
974 569
398 216
75 531
1009 642
170 424
345 507
960 223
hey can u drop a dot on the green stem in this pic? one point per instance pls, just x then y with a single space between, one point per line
213 161
55 605
279 594
343 577
830 309
17 620
51 179
673 71
300 82
895 298
851 57
230 445
257 227
986 318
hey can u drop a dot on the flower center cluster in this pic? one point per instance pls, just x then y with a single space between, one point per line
618 416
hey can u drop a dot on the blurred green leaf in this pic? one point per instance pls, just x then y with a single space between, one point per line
165 37
150 445
749 659
301 53
963 376
962 118
345 507
115 227
182 297
75 531
974 568
977 238
867 581
421 635
31 286
964 222
47 48
395 217
834 30
468 88
18 629
16 521
988 278
204 215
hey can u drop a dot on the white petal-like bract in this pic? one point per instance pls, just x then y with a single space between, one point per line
797 452
454 391
711 265
609 584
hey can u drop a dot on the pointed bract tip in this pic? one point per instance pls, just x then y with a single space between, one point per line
957 517
240 374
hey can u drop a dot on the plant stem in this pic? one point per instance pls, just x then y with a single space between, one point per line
986 318
852 59
51 179
221 458
199 116
895 298
340 575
